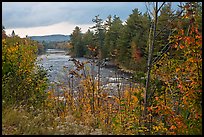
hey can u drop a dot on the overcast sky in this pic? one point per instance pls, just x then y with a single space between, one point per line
45 18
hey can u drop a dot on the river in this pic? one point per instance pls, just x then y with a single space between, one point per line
58 65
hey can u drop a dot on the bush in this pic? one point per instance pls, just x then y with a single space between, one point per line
23 82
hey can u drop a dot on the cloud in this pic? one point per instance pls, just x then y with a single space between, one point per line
65 28
42 18
33 14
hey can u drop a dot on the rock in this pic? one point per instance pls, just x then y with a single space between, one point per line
96 132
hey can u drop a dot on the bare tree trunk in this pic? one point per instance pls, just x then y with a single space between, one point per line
148 73
151 49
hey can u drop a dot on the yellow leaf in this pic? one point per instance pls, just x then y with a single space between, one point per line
177 69
126 94
135 99
140 131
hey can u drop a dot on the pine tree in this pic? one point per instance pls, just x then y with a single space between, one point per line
13 34
135 31
3 32
77 49
88 40
111 38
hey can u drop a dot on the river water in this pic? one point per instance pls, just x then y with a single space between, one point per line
58 65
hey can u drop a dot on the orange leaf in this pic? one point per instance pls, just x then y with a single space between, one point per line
179 86
181 46
196 116
172 127
149 108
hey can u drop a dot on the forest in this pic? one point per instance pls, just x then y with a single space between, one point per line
161 49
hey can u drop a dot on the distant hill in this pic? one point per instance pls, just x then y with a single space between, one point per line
51 38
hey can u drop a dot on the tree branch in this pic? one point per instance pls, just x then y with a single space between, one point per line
163 51
160 7
165 27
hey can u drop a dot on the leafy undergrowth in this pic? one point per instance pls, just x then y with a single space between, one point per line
18 121
174 101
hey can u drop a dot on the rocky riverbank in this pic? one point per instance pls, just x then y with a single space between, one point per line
121 69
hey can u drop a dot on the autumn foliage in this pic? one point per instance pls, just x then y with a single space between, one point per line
23 82
174 101
179 100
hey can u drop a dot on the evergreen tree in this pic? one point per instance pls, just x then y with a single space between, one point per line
164 28
13 34
135 31
3 32
88 40
112 36
99 36
77 49
108 23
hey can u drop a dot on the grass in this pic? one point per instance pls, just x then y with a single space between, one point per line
18 121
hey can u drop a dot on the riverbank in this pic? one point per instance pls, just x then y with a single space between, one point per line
111 65
121 69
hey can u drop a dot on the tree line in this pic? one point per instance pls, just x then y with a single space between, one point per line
163 46
125 43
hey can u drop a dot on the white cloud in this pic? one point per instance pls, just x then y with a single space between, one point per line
65 28
29 14
43 18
